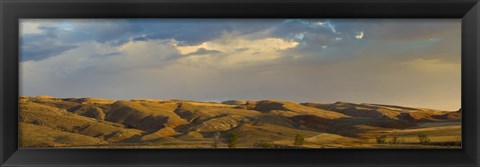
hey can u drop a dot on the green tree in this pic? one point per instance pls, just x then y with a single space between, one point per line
299 140
423 138
381 139
232 139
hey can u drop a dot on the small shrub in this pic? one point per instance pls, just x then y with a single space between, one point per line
62 139
232 139
36 122
381 139
264 144
394 140
299 140
216 139
423 138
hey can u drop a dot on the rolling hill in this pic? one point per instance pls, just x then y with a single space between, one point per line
150 123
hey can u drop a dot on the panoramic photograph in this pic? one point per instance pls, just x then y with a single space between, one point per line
240 83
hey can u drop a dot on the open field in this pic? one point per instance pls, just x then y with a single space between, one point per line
150 123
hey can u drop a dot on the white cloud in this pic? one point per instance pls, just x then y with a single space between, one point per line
107 69
236 49
300 36
326 24
332 27
30 27
359 35
319 24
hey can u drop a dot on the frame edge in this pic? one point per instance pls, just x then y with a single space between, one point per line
471 67
473 14
2 145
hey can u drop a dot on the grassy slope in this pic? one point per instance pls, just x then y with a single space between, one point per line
147 116
41 136
62 120
378 111
185 124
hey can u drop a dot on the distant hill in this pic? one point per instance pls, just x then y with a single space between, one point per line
92 122
379 111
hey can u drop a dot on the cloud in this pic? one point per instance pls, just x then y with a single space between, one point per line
332 27
237 49
30 27
319 24
203 51
121 31
38 52
359 35
300 36
41 46
326 24
209 59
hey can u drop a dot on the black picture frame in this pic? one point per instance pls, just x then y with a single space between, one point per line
13 10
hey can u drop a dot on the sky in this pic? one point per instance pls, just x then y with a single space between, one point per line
408 62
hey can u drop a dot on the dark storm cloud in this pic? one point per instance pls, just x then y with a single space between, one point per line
191 32
118 32
42 46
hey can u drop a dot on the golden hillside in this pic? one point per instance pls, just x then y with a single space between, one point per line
149 123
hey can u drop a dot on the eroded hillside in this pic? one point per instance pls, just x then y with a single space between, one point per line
149 123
